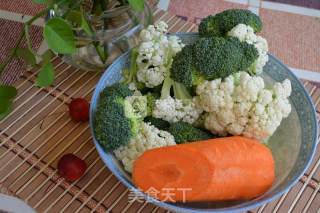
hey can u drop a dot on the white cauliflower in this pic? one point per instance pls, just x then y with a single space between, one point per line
241 105
148 137
155 54
246 33
174 110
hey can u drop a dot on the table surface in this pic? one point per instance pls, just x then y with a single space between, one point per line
31 145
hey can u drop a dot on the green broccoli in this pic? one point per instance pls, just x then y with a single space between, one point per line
184 132
221 23
116 90
183 70
251 54
115 119
157 122
211 58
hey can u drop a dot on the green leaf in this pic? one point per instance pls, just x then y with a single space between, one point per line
6 111
7 92
46 75
4 105
59 36
85 26
137 5
26 55
74 17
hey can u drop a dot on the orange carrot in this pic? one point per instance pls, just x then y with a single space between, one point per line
231 168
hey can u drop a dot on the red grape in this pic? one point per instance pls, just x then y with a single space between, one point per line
71 167
79 109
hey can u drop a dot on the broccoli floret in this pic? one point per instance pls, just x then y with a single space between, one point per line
218 57
157 122
183 70
116 121
221 23
184 132
116 90
211 58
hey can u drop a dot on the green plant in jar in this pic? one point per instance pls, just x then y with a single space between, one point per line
77 30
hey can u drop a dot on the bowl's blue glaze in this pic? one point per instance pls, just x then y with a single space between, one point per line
293 145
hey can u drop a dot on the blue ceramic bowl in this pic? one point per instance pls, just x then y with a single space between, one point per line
293 145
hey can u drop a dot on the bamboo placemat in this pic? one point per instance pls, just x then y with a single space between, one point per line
39 131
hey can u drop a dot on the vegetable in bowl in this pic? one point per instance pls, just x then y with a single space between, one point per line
169 88
211 83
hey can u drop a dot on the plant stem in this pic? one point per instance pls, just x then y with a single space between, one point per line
27 36
102 54
104 4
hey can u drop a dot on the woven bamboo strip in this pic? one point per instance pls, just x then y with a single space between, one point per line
27 90
175 23
283 197
66 190
142 207
56 178
155 209
33 152
52 135
82 189
34 116
48 179
48 151
304 186
56 131
307 206
35 104
70 186
89 91
118 199
312 184
32 76
106 196
93 194
69 120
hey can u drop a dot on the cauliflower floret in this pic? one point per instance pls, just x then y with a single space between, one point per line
151 76
155 54
148 137
246 33
174 110
246 108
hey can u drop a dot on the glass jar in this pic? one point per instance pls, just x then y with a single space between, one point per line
116 31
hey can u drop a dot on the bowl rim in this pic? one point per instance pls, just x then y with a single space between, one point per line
106 156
